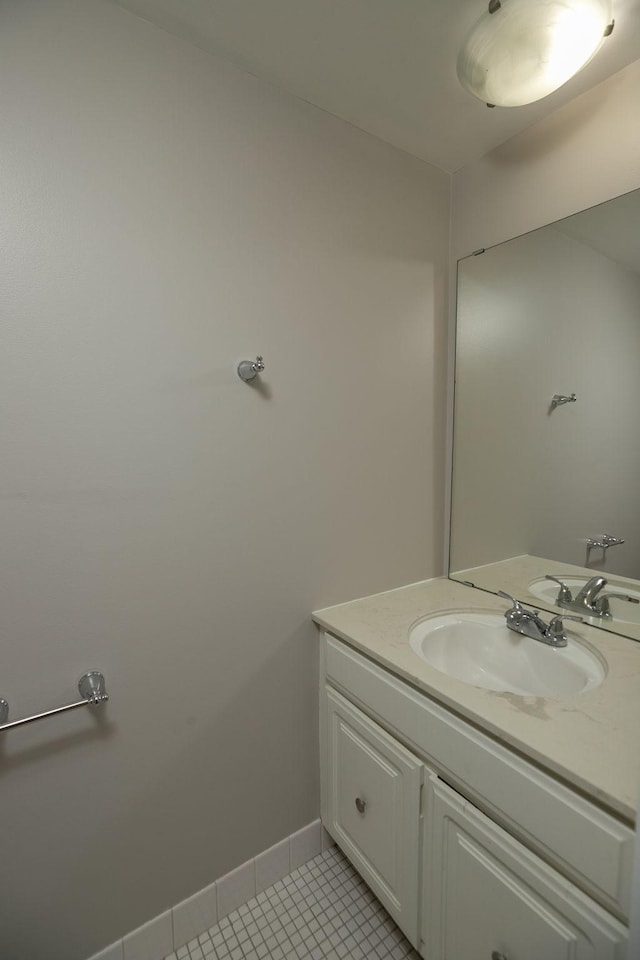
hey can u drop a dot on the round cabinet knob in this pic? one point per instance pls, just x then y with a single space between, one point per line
496 955
361 806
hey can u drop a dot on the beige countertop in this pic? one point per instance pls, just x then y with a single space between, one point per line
590 740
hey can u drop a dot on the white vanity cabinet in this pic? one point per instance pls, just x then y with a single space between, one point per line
374 788
487 896
477 854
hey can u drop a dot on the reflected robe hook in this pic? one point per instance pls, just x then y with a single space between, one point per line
558 399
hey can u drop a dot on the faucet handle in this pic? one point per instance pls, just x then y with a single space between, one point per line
603 607
619 596
564 594
507 596
555 629
565 616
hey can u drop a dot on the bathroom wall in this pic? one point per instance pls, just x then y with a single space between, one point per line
583 153
546 314
164 216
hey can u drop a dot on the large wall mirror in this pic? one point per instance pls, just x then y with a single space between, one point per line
542 486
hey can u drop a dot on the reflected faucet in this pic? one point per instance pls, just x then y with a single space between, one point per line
589 599
585 598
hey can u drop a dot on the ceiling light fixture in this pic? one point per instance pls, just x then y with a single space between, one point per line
522 50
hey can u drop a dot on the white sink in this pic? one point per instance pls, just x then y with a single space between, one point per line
621 610
479 648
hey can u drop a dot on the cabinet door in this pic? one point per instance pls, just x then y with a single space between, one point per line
373 807
487 897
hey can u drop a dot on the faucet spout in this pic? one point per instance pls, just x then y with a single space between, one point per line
587 595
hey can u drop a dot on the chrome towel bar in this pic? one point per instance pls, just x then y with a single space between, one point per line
92 689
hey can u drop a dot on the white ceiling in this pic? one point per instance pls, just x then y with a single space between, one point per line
387 66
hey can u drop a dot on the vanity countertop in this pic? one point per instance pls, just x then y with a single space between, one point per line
590 740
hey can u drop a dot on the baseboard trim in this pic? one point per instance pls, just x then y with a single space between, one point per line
176 927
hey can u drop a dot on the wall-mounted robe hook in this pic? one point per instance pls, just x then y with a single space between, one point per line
558 399
247 369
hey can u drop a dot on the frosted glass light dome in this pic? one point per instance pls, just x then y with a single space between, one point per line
526 49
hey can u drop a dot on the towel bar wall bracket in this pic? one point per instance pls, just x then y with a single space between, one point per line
92 689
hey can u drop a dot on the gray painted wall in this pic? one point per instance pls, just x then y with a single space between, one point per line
164 216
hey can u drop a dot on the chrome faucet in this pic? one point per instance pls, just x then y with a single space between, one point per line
589 599
529 623
585 599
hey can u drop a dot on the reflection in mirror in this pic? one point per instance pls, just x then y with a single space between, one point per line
544 487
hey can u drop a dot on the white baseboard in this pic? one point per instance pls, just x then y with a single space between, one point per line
174 928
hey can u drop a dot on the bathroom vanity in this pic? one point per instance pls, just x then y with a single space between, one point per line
485 782
490 825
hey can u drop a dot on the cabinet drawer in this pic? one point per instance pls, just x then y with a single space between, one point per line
488 896
373 807
591 847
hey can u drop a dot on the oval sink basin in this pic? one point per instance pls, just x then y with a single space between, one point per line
478 648
621 610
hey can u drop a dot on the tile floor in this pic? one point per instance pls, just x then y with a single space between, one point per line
322 910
